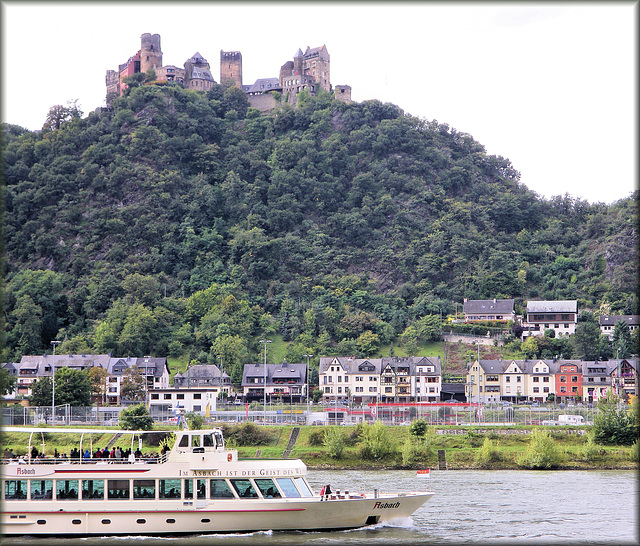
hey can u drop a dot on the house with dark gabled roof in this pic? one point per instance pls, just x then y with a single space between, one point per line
343 377
607 323
262 85
34 367
561 316
427 379
596 379
624 377
284 382
155 371
481 310
203 375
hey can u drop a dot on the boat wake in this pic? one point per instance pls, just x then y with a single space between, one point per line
396 523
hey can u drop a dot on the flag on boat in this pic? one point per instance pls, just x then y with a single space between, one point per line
423 473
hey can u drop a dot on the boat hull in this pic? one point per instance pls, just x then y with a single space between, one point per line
214 516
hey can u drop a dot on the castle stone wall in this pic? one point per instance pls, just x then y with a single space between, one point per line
263 102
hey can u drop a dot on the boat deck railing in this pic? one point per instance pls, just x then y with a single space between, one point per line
152 459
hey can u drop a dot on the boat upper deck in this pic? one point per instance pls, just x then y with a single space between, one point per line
118 449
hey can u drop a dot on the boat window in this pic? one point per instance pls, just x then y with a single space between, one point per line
169 489
268 488
117 489
195 441
184 441
220 489
244 489
144 489
303 487
208 440
201 488
219 439
67 489
15 489
41 489
289 490
188 489
92 490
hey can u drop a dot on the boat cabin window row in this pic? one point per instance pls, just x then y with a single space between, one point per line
155 489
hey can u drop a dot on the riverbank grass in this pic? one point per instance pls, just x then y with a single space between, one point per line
392 447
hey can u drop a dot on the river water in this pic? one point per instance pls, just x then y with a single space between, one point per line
469 506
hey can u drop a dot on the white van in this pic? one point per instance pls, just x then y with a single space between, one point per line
571 420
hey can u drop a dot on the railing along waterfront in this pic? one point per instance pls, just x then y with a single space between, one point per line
441 414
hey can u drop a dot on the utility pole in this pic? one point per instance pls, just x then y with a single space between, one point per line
264 416
53 383
308 386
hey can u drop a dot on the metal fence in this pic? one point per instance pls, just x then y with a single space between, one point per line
391 414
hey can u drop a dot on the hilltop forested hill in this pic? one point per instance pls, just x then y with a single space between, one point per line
186 223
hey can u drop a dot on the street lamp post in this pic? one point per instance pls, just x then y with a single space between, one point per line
53 383
264 385
220 382
308 385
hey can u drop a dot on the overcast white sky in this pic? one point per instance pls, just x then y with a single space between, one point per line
551 87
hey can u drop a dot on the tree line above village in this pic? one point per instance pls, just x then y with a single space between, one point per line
187 224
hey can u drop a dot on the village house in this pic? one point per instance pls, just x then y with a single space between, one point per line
343 378
568 380
204 376
608 323
624 377
278 382
483 310
596 380
561 316
170 403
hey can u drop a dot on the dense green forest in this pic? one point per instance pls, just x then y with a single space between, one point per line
189 224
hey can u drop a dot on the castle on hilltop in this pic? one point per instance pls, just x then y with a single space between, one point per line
308 71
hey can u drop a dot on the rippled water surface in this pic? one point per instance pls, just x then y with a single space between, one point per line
469 506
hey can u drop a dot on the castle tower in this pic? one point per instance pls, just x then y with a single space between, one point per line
197 73
150 52
298 61
343 93
316 63
231 67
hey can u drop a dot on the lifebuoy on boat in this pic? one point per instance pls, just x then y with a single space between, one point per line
229 457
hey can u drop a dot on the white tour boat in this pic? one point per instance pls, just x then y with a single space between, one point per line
197 486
